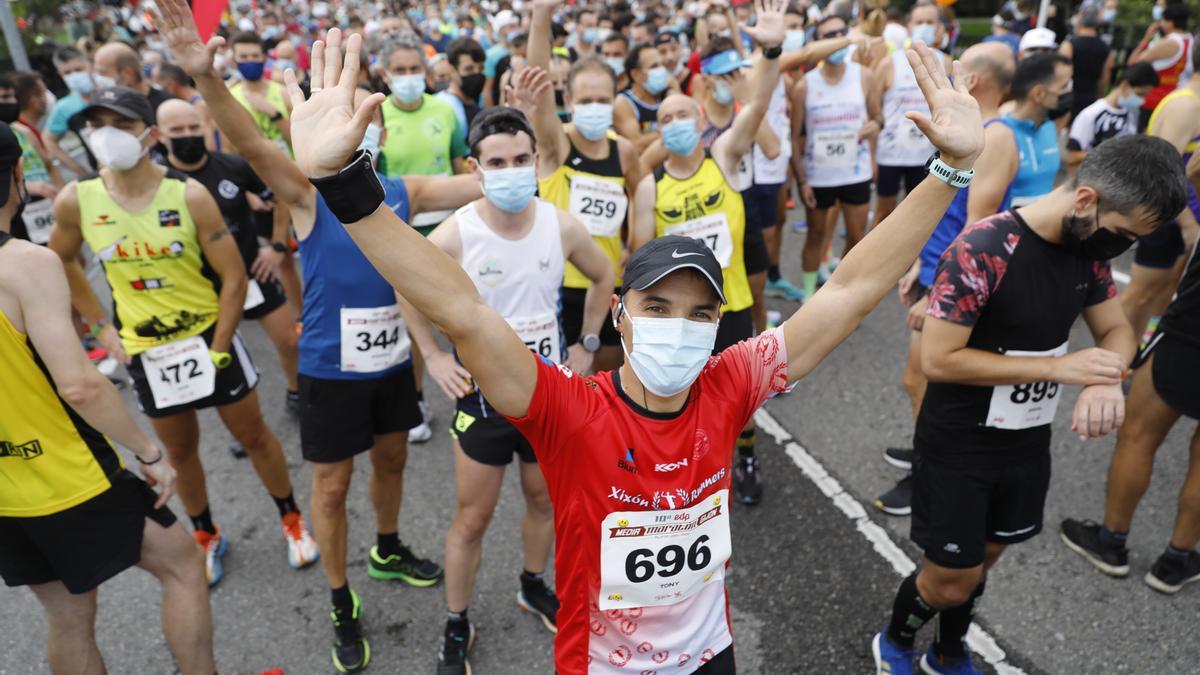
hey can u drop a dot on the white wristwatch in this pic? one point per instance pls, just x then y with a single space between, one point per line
959 178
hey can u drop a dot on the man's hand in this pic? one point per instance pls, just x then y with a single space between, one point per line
160 474
870 130
328 122
527 89
454 380
1099 409
260 103
178 30
579 359
266 265
257 203
111 341
808 196
768 30
551 5
1092 366
41 189
915 319
954 124
907 282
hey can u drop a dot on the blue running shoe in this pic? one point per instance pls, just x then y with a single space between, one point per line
932 664
215 546
782 288
891 658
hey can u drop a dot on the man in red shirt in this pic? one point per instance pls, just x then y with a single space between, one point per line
636 460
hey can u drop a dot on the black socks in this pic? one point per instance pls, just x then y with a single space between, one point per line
343 600
1110 539
909 613
773 273
286 505
204 522
387 545
745 443
952 625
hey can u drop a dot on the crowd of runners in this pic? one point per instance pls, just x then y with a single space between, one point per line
410 197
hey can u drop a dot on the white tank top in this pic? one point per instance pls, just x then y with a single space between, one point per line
901 143
774 171
834 114
1183 47
520 278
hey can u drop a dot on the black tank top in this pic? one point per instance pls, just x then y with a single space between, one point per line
1088 57
647 114
609 166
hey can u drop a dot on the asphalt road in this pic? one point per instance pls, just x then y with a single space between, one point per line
807 589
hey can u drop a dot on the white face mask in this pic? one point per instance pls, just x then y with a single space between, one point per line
103 81
408 88
668 354
370 141
116 149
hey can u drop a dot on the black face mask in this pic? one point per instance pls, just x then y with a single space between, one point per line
1101 244
472 85
1065 102
188 149
9 112
560 98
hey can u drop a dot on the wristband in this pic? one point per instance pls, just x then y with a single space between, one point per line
156 460
220 359
279 246
772 52
354 192
959 178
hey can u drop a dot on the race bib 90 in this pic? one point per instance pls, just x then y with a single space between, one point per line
38 217
655 558
1024 406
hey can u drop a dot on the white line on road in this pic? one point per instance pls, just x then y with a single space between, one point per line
1120 277
977 638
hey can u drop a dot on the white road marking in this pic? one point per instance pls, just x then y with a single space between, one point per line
977 638
1120 277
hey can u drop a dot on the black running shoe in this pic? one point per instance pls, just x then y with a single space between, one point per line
1169 575
536 598
456 642
237 450
1083 537
405 566
350 649
291 404
901 458
898 500
747 480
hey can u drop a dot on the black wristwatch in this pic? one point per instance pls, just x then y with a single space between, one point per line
279 246
590 342
772 52
277 116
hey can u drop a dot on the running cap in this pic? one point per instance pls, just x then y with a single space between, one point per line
651 263
10 154
123 101
723 62
1039 38
665 36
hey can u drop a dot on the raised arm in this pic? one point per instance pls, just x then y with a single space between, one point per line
547 128
874 266
428 278
813 52
768 32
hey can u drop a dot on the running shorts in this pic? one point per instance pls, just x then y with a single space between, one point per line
274 297
850 195
1161 248
490 440
234 382
890 177
572 318
340 418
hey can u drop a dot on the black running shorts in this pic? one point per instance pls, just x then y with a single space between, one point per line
490 439
273 298
956 510
1175 370
572 318
1161 248
340 418
85 545
754 251
890 178
234 382
733 328
850 195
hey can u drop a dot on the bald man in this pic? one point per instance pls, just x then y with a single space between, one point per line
988 70
238 191
120 62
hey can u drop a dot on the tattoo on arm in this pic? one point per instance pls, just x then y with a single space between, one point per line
219 234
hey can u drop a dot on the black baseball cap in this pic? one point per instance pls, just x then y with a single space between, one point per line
123 101
10 154
651 263
665 36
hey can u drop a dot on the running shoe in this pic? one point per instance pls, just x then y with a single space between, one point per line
426 412
1083 537
536 598
747 480
215 546
782 288
302 549
773 319
351 652
1169 575
901 458
800 226
891 658
405 566
423 431
237 450
932 664
291 404
898 500
452 658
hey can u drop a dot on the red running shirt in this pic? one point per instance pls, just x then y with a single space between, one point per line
641 509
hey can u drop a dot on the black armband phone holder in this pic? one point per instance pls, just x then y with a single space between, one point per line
354 192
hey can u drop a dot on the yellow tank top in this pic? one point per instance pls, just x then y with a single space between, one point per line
1178 93
705 207
268 127
50 459
161 286
556 189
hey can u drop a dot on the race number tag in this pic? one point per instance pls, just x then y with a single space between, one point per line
1022 406
540 334
835 150
373 338
655 558
39 220
713 230
254 296
179 372
599 204
745 173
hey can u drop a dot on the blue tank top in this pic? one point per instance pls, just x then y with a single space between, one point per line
1037 148
947 230
337 275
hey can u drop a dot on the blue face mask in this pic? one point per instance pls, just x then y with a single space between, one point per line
617 64
657 80
839 56
722 93
407 88
793 40
681 137
591 35
1156 13
510 189
252 71
1131 103
668 354
593 120
283 64
79 82
925 32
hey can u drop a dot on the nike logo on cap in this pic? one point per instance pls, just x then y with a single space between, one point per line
676 254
